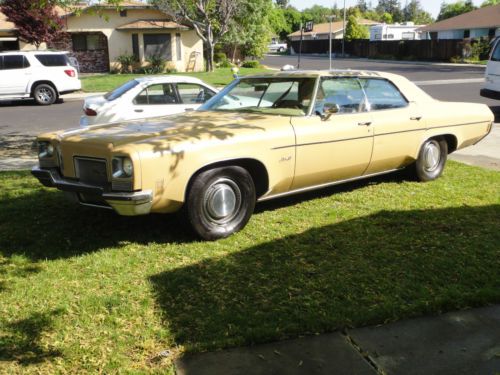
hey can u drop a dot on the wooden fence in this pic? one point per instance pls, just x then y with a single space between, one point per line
427 50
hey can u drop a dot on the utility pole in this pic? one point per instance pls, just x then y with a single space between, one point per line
343 34
330 18
300 45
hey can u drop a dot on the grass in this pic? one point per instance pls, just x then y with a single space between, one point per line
107 82
86 291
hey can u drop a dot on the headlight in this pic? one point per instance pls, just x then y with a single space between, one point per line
45 150
122 167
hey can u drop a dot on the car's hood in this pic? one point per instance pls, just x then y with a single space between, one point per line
189 126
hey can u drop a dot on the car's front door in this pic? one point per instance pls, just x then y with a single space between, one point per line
338 148
397 125
154 101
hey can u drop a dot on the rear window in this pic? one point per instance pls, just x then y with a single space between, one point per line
119 91
53 60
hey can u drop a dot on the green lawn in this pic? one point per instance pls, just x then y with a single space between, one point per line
107 82
87 291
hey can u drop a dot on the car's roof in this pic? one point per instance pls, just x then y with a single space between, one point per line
324 73
33 52
168 79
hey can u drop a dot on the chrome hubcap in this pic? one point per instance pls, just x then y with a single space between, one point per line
432 156
222 201
45 95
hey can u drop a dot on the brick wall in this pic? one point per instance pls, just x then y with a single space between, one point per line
91 61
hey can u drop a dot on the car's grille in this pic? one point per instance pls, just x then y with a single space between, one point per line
91 171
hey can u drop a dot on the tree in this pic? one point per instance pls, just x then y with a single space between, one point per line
250 29
414 12
278 23
354 30
455 9
317 14
211 19
362 6
488 3
392 7
282 3
386 18
36 23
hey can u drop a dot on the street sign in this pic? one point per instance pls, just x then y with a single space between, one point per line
309 26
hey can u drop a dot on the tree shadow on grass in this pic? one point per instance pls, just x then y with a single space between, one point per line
20 340
42 224
369 270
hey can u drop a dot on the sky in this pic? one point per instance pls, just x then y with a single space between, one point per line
431 6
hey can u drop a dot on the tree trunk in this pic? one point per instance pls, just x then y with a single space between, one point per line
210 57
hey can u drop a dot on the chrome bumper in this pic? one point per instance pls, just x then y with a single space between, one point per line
127 204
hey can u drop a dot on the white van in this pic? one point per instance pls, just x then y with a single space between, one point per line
492 77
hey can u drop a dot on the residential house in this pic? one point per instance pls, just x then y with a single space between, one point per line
321 31
98 38
482 22
404 31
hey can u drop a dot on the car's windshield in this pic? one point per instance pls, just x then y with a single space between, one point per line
271 95
119 91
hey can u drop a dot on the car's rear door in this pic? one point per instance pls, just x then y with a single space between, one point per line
192 95
340 147
397 125
14 75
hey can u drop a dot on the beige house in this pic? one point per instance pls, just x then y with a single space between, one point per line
98 39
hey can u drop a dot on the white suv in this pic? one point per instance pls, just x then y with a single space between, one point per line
40 75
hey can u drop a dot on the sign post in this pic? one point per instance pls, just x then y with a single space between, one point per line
308 28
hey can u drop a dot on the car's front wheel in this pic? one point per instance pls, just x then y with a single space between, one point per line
431 159
220 202
44 94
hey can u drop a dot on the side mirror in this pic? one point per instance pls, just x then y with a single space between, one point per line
329 109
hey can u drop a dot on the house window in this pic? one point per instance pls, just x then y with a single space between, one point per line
135 45
158 45
466 34
86 42
178 46
123 13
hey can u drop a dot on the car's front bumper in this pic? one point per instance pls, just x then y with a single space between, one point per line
124 203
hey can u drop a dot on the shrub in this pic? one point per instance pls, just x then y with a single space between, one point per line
251 64
126 63
156 64
224 64
219 57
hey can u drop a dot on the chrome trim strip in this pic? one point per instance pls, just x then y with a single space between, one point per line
95 205
316 187
138 196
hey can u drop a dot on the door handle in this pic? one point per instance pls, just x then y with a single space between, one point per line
416 118
367 123
139 110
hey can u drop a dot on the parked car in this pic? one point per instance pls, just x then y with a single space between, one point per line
41 75
146 97
491 87
261 137
276 46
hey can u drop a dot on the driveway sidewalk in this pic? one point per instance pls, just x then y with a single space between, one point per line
463 342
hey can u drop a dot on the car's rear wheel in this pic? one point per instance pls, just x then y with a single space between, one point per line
431 159
220 202
44 94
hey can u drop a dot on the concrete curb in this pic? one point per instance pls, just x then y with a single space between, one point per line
79 95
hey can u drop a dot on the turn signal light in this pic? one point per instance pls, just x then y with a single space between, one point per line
89 112
70 72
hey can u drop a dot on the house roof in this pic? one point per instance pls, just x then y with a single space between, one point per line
152 24
487 17
324 28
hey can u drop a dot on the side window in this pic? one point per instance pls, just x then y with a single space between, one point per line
495 55
345 92
157 94
382 94
191 93
15 62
